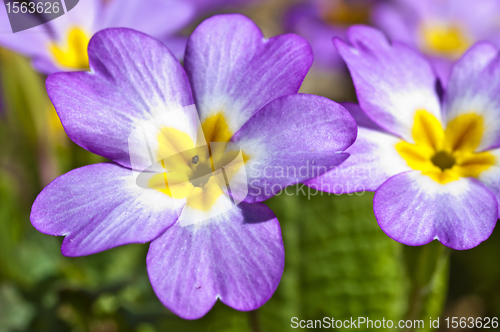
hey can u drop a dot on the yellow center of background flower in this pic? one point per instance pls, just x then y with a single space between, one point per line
190 168
342 12
449 41
446 154
73 53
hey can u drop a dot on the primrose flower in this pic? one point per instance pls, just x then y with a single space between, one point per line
244 88
443 30
433 163
61 44
320 20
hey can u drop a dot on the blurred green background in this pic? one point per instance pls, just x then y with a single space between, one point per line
338 262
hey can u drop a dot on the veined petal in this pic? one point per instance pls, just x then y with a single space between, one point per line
234 71
134 79
413 209
473 90
99 207
392 80
293 139
236 257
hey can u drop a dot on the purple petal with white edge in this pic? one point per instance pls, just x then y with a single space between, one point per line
473 88
291 140
134 78
235 71
99 207
156 18
392 81
491 177
237 257
413 209
372 160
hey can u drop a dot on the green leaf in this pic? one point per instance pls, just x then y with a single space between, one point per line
15 312
340 264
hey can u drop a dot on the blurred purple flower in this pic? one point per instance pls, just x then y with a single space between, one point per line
432 157
443 30
245 89
319 21
207 6
61 44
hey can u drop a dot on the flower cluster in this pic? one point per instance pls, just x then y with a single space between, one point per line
195 148
244 88
61 44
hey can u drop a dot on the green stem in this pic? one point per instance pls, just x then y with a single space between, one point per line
253 319
424 265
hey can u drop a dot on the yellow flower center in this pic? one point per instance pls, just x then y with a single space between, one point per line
449 41
197 173
342 12
73 52
446 154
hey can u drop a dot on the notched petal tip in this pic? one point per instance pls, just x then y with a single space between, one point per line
413 209
237 257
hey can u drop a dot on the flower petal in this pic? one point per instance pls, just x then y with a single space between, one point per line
396 22
32 42
362 120
392 81
473 88
176 45
491 176
134 79
237 257
304 19
156 18
84 15
207 6
372 160
293 139
235 71
413 209
99 207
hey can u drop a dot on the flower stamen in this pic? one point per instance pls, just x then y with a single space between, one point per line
447 154
443 160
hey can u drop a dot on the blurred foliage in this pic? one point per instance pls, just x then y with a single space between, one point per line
338 262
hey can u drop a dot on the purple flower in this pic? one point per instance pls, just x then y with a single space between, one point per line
320 20
245 90
431 157
443 29
206 6
61 44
